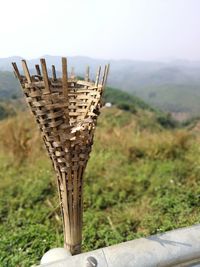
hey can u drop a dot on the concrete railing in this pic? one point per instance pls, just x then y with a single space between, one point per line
180 247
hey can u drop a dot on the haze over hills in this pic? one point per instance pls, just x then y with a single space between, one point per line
172 86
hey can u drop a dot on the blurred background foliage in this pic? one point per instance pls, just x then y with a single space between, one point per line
142 178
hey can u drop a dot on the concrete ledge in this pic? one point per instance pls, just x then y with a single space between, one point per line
180 247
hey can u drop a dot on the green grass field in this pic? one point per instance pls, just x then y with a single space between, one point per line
141 179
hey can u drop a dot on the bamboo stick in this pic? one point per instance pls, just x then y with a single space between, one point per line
98 76
16 71
53 72
107 67
37 67
26 71
45 76
64 77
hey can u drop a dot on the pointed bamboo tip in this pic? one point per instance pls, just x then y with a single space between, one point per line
16 71
42 60
98 76
45 76
64 60
37 67
26 70
53 68
64 66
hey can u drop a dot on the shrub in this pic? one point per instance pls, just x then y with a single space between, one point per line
5 111
19 139
167 121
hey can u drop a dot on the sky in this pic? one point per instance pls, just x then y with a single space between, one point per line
108 29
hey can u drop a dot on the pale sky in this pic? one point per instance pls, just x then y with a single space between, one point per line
109 29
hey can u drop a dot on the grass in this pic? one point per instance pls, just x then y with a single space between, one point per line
141 179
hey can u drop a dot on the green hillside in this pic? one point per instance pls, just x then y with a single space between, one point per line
9 87
128 102
169 98
125 100
116 97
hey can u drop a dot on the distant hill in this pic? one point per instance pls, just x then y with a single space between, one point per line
173 86
9 86
124 100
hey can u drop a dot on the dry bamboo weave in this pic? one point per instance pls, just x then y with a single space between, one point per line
66 110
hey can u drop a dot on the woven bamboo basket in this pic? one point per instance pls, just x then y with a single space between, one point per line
66 110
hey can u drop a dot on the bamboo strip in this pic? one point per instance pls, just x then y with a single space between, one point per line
16 71
98 76
26 71
53 73
64 77
107 67
65 87
37 67
45 76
